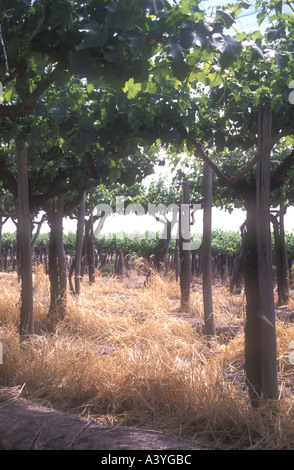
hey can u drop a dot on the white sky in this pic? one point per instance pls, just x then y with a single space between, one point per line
221 219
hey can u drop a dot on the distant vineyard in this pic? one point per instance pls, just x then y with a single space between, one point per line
226 246
224 243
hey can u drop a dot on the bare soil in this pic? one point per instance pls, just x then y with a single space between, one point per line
25 426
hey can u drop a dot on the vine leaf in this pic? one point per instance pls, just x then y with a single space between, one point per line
229 47
132 88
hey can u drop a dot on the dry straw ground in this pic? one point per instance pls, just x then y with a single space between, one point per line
129 356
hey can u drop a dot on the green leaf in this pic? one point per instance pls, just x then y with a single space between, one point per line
7 94
225 16
57 112
132 88
219 140
114 174
214 79
60 77
282 60
86 123
261 16
256 52
181 70
229 47
289 140
95 35
90 88
151 87
61 14
161 72
185 6
189 37
241 36
273 34
176 52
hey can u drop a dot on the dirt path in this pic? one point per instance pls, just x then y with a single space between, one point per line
28 427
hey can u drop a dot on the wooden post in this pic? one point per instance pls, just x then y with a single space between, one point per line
89 242
206 253
268 353
176 255
185 254
62 295
57 262
79 244
52 264
252 325
1 227
25 233
284 291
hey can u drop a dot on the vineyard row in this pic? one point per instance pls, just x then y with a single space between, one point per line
225 244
